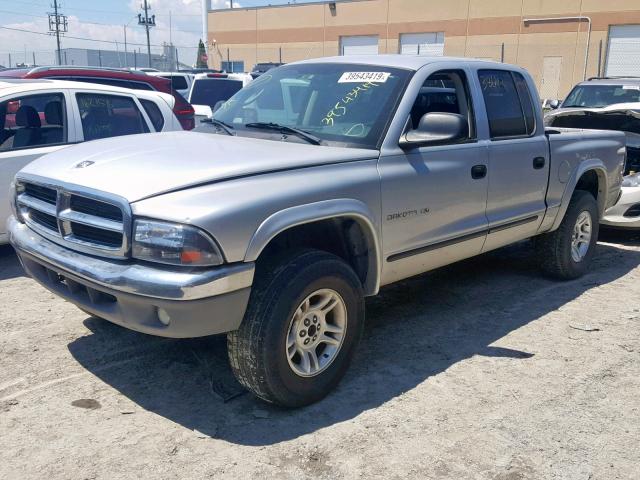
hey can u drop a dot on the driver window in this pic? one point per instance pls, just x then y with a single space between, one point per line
444 92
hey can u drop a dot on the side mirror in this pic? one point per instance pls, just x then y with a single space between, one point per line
553 104
436 127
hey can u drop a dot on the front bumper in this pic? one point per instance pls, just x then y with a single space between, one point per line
199 302
615 216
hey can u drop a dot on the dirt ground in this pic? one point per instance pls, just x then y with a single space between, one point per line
481 370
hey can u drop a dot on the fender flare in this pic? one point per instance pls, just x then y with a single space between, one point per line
291 217
596 165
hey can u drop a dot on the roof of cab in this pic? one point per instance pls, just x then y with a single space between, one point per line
411 62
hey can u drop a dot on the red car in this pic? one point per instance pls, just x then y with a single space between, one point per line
111 76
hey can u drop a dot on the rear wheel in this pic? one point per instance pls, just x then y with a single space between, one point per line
304 320
566 253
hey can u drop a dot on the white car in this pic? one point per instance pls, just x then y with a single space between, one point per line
180 81
41 116
211 89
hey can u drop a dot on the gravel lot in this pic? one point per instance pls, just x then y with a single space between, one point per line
481 370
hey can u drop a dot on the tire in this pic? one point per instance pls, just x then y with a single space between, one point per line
554 249
259 349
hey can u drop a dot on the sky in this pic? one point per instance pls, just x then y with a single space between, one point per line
103 20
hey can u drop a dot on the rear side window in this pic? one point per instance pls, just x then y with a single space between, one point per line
106 116
178 82
525 100
154 114
502 101
33 121
208 91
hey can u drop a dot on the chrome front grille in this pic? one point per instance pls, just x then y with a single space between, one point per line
82 220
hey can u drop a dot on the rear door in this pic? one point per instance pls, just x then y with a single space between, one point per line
518 157
104 115
31 125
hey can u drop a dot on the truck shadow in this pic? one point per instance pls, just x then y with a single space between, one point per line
9 265
415 329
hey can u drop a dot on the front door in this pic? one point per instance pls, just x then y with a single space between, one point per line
434 197
551 69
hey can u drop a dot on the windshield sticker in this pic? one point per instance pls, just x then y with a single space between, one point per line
631 87
340 109
356 77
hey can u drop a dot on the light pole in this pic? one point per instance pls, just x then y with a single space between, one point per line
124 28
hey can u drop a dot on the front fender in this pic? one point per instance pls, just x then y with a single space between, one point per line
343 207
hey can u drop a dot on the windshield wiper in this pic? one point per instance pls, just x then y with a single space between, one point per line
220 124
286 129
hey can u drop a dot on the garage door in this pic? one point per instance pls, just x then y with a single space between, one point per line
359 45
422 44
623 53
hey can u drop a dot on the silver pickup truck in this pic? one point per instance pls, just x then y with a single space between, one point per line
311 188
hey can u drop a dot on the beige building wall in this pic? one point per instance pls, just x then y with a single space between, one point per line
490 29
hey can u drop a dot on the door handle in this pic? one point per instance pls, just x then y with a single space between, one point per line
538 163
478 171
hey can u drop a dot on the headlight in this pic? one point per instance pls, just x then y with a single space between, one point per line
174 244
16 189
631 180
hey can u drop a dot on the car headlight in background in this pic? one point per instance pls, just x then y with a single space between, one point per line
174 244
631 180
16 189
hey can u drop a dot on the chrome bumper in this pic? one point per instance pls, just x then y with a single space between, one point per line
170 284
615 216
201 301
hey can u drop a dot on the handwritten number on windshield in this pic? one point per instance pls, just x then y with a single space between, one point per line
340 109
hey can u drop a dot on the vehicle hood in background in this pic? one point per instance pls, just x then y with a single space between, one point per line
140 166
623 117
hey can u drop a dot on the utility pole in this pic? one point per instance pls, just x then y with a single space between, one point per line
147 22
57 24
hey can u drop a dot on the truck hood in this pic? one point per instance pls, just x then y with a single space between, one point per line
141 166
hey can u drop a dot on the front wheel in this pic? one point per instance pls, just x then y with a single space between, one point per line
566 253
304 320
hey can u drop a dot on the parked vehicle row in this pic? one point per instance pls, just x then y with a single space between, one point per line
41 116
114 77
312 187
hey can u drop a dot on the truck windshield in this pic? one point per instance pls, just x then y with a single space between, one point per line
340 104
596 96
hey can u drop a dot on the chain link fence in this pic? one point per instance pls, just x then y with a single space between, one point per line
555 68
163 58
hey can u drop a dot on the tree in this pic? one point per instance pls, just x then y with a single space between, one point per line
201 61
